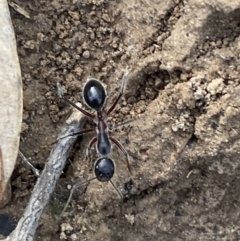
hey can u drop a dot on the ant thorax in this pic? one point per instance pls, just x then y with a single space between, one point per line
103 142
101 122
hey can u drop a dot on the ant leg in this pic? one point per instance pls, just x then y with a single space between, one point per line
121 197
91 143
86 113
122 89
119 193
114 104
74 134
124 123
120 146
60 94
75 186
78 133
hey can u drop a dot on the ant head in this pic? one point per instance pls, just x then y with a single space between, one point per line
94 94
104 169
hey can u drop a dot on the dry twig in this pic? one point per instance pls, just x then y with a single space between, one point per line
45 185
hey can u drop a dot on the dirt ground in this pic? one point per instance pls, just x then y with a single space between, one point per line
183 59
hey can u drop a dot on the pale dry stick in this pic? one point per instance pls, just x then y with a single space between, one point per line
27 163
45 185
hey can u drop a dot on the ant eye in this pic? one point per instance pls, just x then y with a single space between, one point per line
104 169
94 94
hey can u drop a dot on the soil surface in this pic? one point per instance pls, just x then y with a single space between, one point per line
183 93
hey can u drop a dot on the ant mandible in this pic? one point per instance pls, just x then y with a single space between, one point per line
94 96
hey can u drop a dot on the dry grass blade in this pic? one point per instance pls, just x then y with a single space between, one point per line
19 9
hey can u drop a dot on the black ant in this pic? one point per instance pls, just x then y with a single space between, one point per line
94 95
